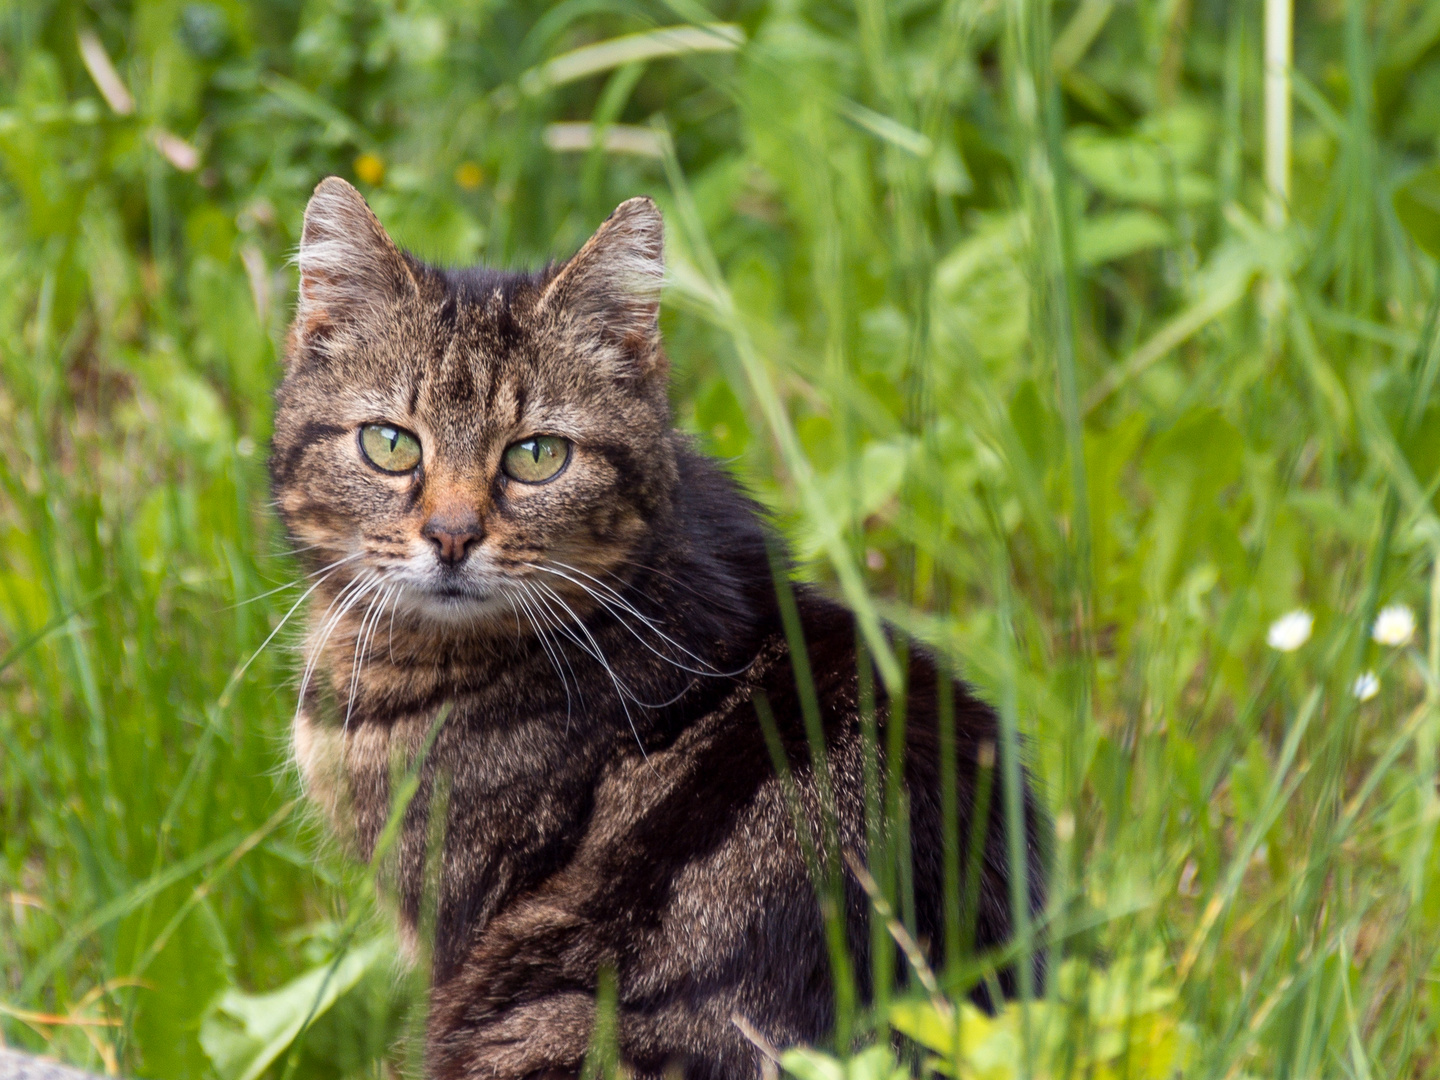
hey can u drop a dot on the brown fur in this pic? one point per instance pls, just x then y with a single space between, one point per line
622 815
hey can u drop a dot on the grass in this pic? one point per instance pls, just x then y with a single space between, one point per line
994 302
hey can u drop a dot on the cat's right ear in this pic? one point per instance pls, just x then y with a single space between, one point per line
349 266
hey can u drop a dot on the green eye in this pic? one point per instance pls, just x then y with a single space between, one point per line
389 448
536 459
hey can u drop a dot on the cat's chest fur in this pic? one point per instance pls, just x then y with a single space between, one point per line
566 850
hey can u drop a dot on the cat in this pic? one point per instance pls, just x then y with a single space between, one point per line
480 472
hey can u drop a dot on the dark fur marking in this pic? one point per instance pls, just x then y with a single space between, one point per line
298 442
492 390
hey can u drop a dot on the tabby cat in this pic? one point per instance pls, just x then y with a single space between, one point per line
478 469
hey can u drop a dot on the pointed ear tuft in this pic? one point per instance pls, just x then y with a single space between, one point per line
348 264
612 285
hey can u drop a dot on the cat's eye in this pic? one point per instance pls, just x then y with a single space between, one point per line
389 448
536 459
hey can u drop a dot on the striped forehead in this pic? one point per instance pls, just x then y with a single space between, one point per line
468 393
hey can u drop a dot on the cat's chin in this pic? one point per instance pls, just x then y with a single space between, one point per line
461 608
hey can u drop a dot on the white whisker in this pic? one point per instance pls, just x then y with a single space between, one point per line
347 598
545 596
620 688
295 584
620 599
627 606
545 644
278 627
399 592
559 647
599 656
367 629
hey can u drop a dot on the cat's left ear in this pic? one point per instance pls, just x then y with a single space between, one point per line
611 286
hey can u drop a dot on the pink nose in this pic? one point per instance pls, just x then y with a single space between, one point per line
452 537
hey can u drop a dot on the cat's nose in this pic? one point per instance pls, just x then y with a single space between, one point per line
453 537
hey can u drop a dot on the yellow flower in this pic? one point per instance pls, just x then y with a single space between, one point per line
469 175
370 169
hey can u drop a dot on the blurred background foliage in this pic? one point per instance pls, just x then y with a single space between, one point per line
983 297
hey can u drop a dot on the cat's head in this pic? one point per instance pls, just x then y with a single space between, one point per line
464 439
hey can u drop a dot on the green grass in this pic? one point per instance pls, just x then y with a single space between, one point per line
980 296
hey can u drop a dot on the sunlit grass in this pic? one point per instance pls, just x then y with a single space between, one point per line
995 306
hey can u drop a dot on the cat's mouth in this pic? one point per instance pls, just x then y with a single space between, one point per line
463 596
457 599
458 594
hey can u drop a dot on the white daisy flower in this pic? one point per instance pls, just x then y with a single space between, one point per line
1366 686
1290 631
1395 625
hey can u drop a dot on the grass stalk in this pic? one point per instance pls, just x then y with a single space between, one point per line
1279 46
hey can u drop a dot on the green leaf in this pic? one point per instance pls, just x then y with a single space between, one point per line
1183 131
876 1063
1417 205
807 1064
1036 425
1116 235
1135 169
882 467
1249 781
982 294
244 1032
720 420
921 1021
872 1063
431 227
